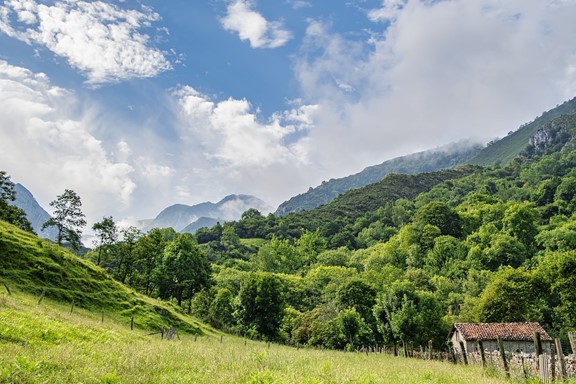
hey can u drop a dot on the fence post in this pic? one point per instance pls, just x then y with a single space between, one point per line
72 307
481 350
562 374
572 338
537 348
429 349
132 323
42 295
543 368
503 356
102 316
7 289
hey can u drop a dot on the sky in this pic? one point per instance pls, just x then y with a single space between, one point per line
140 104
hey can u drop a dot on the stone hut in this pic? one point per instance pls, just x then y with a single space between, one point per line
516 337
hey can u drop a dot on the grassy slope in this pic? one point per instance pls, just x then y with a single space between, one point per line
35 265
506 149
47 344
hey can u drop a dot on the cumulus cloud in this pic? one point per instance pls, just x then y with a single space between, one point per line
228 147
252 26
440 72
231 133
99 39
48 150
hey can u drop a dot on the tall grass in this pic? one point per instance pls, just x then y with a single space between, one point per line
45 343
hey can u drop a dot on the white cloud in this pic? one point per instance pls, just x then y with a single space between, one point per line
389 11
229 132
48 150
299 4
441 71
99 39
226 147
252 26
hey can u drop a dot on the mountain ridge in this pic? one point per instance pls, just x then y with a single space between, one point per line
182 217
35 214
445 157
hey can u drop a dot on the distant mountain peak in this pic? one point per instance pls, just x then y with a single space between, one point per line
35 214
182 216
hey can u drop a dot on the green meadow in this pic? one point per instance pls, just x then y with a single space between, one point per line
49 343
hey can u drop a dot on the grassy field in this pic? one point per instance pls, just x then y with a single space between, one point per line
45 343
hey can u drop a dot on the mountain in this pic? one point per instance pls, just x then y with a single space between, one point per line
437 159
180 216
35 214
504 150
203 222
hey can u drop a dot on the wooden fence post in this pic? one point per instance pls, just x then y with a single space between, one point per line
572 338
537 348
7 289
543 368
72 307
429 349
552 363
132 323
562 374
102 316
503 356
481 350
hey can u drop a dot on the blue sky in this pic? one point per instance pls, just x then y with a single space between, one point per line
137 105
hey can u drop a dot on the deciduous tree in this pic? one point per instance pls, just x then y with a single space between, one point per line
67 218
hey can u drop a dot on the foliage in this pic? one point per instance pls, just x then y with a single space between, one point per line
67 218
32 265
261 305
8 212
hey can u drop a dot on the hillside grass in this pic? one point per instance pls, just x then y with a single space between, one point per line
33 265
45 343
506 149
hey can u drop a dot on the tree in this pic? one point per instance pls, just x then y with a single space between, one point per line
127 251
185 270
9 212
511 296
67 218
439 214
106 236
261 305
521 221
148 259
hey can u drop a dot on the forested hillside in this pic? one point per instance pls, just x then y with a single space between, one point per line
394 263
427 161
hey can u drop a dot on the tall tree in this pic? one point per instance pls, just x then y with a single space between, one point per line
67 218
127 250
261 304
185 270
106 236
9 212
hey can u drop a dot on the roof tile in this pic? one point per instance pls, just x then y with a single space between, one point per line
506 331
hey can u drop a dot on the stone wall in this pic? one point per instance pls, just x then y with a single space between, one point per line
521 363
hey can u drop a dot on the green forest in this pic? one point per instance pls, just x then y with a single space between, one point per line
395 263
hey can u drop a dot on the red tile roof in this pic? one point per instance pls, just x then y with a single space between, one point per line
506 331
